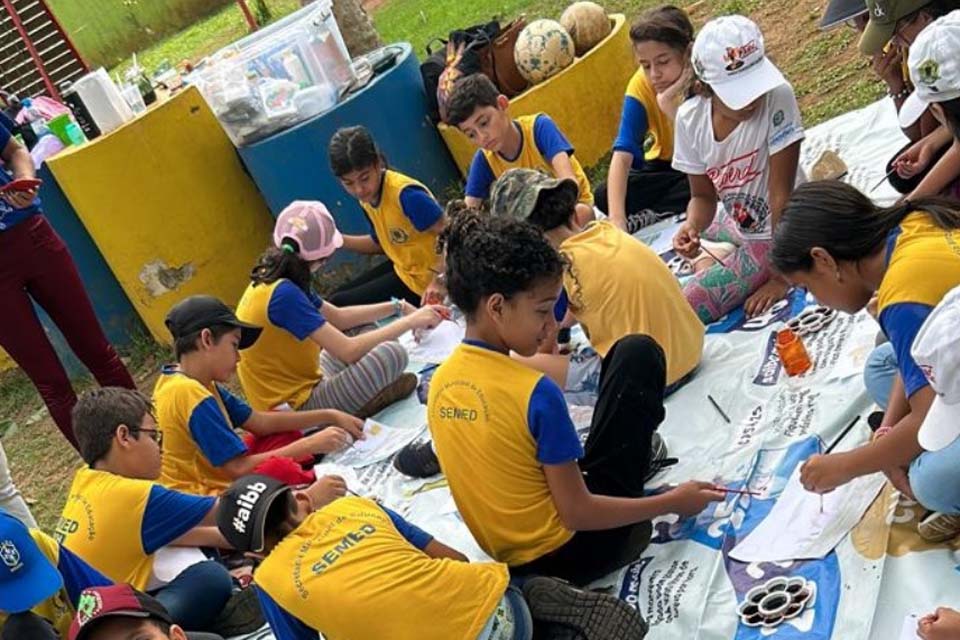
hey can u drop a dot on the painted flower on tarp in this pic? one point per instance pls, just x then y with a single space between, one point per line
732 521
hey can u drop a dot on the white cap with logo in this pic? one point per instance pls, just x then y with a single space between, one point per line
729 55
936 350
934 64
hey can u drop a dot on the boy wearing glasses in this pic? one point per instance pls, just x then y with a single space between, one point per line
123 523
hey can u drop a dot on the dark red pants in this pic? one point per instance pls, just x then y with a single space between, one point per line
35 263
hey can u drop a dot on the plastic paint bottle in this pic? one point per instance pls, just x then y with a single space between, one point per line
793 354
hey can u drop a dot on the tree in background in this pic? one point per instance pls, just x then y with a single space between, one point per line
355 24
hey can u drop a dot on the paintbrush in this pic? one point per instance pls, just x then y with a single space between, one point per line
883 179
717 407
742 492
842 435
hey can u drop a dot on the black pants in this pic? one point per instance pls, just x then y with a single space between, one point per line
28 626
906 185
616 460
656 187
376 285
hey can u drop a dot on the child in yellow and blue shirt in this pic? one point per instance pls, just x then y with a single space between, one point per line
117 517
353 569
641 185
404 220
311 353
553 507
40 582
198 416
479 110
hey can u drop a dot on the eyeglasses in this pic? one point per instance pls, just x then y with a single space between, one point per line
155 434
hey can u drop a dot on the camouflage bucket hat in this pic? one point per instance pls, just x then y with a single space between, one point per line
515 193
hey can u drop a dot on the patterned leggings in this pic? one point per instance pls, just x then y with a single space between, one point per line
717 291
348 387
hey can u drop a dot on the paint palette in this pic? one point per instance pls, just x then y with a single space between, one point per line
811 320
778 599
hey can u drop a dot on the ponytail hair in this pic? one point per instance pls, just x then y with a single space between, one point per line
284 262
668 25
492 254
838 218
353 149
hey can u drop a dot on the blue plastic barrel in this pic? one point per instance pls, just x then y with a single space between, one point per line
293 164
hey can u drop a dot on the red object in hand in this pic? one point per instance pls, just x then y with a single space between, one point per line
21 184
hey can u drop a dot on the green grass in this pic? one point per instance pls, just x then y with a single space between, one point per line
205 37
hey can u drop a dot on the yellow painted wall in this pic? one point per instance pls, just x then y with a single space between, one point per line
585 100
167 202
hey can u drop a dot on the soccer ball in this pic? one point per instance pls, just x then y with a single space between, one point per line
543 49
587 23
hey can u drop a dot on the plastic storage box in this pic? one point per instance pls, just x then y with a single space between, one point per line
279 76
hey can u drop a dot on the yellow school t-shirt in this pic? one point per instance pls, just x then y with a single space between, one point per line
495 423
412 252
531 158
198 425
348 572
618 286
279 368
658 142
923 265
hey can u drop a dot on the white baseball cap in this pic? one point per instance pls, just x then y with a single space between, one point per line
728 55
934 64
936 350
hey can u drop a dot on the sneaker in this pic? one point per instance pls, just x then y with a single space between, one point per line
939 527
568 613
658 457
396 390
417 460
241 615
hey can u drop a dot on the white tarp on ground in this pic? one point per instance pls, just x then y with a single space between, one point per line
686 585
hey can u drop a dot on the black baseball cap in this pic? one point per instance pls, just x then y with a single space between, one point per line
242 513
201 312
839 11
116 601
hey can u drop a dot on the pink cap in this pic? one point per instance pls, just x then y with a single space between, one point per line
310 225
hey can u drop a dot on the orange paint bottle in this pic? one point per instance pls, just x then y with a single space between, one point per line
793 354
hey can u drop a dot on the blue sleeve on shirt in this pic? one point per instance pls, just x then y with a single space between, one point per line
901 322
551 426
7 124
284 625
560 309
549 139
214 436
633 128
238 410
78 575
480 177
413 534
420 207
169 515
373 231
5 135
291 309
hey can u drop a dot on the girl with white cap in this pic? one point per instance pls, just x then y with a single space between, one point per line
739 144
360 371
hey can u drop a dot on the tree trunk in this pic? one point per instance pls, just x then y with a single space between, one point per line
357 28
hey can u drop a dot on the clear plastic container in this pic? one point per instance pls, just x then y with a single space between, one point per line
254 85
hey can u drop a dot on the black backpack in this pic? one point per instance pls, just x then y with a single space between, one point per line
462 52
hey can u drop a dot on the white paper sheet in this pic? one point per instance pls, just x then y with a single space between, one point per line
435 345
382 441
795 529
909 630
349 475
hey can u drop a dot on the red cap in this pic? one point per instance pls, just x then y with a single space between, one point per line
119 600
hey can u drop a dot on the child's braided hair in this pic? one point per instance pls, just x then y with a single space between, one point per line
490 254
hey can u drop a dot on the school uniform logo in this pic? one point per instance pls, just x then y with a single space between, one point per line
398 236
778 118
648 141
10 556
879 11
